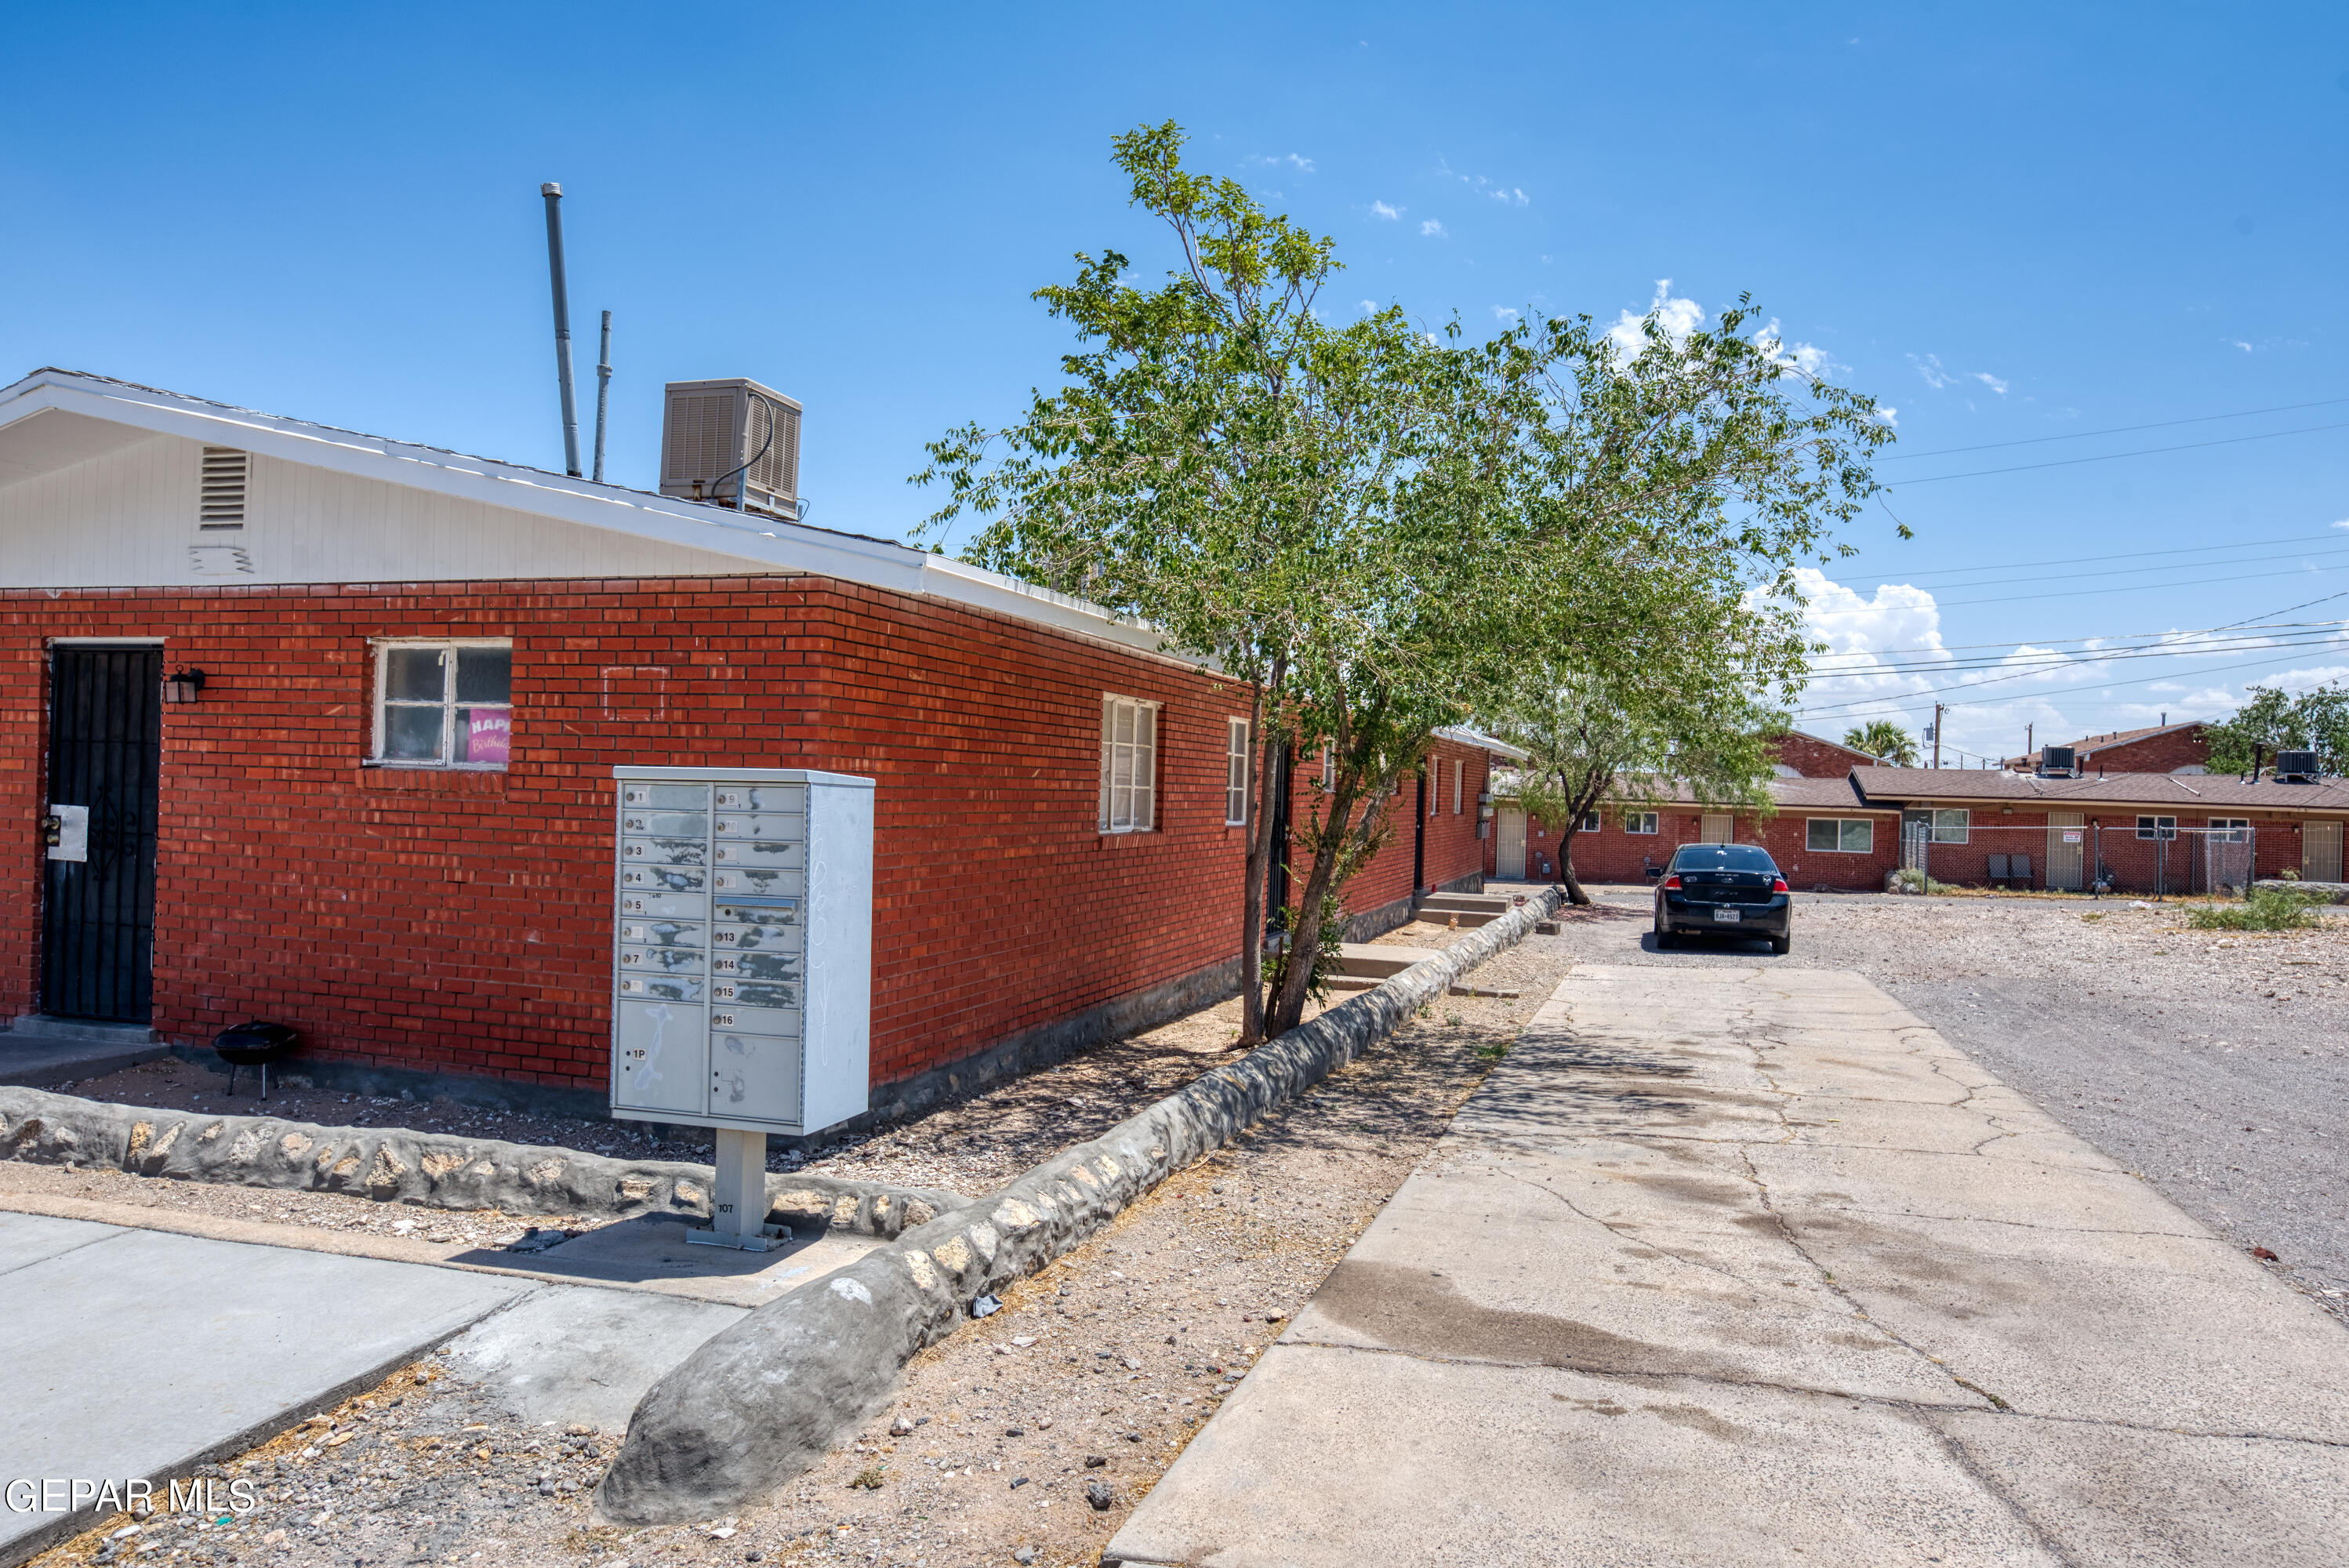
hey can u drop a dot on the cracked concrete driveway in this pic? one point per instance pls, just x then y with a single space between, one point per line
1750 1265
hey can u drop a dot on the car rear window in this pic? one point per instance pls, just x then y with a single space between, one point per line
1723 856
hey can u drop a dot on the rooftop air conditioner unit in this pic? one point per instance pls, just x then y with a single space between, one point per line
734 442
2058 762
2295 767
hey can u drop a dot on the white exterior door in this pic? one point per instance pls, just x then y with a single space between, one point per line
1509 851
1716 829
2068 852
2320 851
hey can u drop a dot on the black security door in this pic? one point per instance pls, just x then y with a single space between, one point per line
106 745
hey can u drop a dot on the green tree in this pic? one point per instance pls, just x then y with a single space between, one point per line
1884 740
2274 720
1363 523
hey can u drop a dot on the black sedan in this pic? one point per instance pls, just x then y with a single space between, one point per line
1725 889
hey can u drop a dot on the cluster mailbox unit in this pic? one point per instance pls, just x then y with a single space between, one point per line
741 963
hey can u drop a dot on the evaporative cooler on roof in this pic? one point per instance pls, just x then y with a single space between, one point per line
730 441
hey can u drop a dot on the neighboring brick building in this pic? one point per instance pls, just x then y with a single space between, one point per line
1804 756
419 877
2182 747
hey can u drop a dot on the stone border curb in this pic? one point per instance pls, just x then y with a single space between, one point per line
2322 893
395 1165
768 1397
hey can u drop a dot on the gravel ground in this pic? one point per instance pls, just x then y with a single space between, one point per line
2214 1064
1093 1375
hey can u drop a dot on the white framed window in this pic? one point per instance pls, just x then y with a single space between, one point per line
446 703
2156 826
1952 827
2232 829
1129 765
1236 772
1435 782
1329 766
1640 821
1840 835
1455 786
1589 823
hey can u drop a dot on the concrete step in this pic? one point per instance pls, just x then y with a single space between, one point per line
38 1052
1464 919
1375 962
1467 903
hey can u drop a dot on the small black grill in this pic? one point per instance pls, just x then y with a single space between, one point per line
254 1045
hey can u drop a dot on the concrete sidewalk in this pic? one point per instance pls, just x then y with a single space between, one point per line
1749 1266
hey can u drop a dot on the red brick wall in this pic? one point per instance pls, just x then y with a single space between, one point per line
1815 758
1612 855
1452 849
2183 747
462 922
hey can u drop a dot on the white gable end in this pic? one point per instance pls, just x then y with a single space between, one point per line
129 517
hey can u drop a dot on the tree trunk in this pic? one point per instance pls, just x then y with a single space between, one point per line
1306 936
1583 806
1258 865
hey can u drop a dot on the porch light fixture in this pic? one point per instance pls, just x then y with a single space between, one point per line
182 685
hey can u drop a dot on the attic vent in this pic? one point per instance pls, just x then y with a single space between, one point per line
221 503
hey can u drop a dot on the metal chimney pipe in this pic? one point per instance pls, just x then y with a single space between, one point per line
603 392
553 194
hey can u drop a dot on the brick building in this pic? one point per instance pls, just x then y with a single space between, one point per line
2165 747
386 815
2137 832
1803 756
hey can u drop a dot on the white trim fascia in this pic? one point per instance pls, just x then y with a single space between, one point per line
1462 736
785 546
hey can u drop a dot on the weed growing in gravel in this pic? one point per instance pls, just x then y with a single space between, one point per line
2268 909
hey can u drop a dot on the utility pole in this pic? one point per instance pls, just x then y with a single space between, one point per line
1937 735
2029 746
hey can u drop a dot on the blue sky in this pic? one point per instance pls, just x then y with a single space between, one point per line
2008 222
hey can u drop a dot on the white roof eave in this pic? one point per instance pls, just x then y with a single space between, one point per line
783 546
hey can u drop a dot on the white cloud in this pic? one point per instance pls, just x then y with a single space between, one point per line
2343 523
1797 358
1512 197
1504 314
1677 317
1930 367
1369 308
1434 230
1993 382
1380 210
1888 414
1296 160
1507 195
2241 344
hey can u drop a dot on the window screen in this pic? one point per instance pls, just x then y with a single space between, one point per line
1840 835
1129 765
1236 772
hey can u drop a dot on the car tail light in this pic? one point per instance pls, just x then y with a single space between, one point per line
1778 884
1672 882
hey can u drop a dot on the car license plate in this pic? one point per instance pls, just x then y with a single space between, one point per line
1729 914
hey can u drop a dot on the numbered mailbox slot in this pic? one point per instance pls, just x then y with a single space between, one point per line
663 879
784 1023
764 854
665 797
756 1076
774 922
789 799
663 932
765 996
761 963
661 1059
666 852
693 825
759 882
658 904
663 960
760 825
659 987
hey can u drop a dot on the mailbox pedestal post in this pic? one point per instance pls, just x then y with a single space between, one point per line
738 1201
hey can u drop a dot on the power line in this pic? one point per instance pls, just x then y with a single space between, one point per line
2332 535
2112 457
2253 623
1974 685
2335 548
2073 593
2057 660
2115 430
